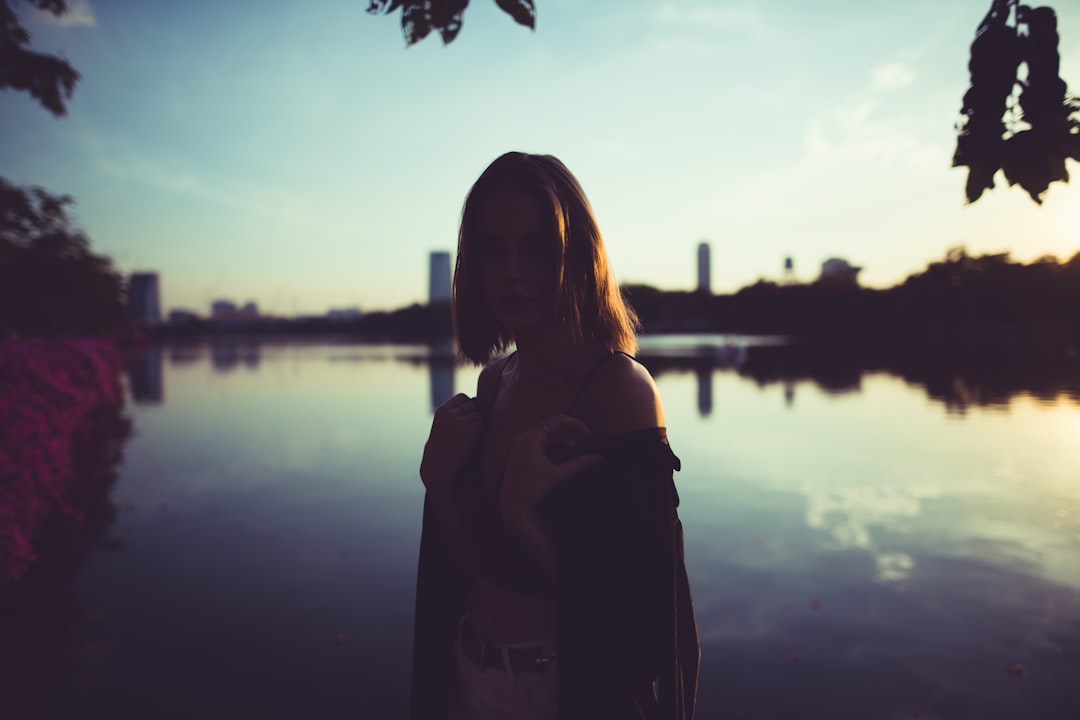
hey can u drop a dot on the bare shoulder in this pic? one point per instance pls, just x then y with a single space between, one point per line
621 397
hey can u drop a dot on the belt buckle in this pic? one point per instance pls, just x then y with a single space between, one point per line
545 659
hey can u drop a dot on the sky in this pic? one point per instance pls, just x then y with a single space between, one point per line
298 155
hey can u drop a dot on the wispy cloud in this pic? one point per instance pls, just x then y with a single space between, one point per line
864 131
702 31
709 16
118 159
891 76
79 14
869 128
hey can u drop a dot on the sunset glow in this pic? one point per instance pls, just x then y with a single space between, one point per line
306 160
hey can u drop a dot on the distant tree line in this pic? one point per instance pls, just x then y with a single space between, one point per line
961 297
415 323
959 292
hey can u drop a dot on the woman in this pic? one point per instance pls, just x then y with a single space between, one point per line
551 580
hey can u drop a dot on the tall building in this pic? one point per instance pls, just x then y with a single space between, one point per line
704 282
144 299
439 279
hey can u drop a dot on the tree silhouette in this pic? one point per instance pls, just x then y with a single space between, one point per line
50 281
49 79
1017 116
420 17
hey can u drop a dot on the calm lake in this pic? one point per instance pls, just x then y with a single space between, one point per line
863 541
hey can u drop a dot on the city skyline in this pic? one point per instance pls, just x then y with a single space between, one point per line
307 161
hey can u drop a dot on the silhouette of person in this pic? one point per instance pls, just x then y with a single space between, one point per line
551 581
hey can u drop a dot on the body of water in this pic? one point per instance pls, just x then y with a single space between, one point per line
863 542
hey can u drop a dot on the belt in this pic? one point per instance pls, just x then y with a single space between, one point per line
522 659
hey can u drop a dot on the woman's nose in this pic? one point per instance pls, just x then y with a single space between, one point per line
516 263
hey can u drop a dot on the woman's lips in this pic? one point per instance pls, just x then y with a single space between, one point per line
514 302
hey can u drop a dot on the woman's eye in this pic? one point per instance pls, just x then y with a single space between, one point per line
487 250
539 249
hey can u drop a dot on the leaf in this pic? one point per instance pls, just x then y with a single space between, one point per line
523 11
383 6
447 17
979 179
450 30
416 21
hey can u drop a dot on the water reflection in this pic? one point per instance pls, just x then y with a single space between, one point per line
184 353
441 367
958 377
145 377
854 555
704 394
228 354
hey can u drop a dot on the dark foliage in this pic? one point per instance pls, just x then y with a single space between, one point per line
41 621
49 79
961 297
415 323
50 281
420 17
1017 116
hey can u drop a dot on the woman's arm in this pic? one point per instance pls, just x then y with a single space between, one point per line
532 473
455 430
621 398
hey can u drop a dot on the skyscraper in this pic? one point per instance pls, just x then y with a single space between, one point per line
144 300
704 283
439 280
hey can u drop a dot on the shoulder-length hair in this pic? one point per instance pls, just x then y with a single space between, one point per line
591 307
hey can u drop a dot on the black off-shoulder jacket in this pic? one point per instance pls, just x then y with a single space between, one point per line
627 637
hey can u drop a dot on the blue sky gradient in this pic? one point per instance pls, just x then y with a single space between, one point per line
306 160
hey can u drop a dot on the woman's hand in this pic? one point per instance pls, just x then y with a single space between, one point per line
454 430
534 467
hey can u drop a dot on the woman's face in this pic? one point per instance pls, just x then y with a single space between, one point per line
518 259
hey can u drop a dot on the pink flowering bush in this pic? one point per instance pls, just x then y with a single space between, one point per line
51 391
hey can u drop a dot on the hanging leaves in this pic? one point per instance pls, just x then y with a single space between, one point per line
420 17
49 79
523 11
1017 116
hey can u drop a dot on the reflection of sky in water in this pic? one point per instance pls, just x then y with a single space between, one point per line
936 550
863 553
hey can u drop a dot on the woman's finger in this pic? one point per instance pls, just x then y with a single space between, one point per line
571 426
576 465
457 401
